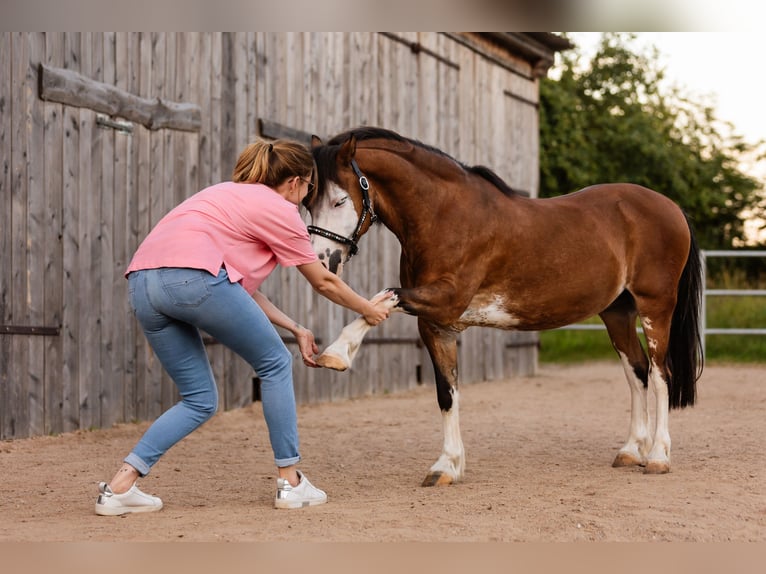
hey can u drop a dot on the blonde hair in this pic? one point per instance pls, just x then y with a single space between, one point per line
272 163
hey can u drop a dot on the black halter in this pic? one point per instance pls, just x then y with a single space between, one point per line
366 210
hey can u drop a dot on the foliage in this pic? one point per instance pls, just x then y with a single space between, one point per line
614 120
564 346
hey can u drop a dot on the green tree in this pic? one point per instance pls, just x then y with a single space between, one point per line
613 121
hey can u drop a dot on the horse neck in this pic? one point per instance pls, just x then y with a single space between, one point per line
405 197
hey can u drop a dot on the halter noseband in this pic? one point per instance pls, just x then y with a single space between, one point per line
353 248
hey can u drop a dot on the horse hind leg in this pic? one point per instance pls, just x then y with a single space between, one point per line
620 321
656 314
657 334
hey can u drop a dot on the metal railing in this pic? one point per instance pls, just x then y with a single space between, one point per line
705 254
704 330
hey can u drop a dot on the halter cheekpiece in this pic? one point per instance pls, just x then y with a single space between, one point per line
366 210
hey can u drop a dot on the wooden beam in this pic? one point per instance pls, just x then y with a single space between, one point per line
68 87
29 330
275 130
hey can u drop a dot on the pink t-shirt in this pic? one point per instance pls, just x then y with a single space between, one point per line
249 228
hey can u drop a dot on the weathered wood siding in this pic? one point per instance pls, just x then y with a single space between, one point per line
76 199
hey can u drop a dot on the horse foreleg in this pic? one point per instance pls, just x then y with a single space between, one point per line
442 348
340 354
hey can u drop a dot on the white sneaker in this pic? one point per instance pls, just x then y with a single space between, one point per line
305 494
110 504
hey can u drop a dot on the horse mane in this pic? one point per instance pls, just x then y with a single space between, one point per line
370 133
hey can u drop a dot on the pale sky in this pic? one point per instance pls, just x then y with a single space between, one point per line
725 65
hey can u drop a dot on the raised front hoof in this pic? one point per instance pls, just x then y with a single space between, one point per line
437 479
657 467
626 459
331 362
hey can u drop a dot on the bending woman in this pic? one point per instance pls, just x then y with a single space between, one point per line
200 268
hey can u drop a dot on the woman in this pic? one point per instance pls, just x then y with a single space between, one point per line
200 268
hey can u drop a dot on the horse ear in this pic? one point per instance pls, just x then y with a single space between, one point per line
316 141
347 150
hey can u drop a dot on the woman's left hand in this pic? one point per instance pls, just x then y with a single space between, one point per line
307 346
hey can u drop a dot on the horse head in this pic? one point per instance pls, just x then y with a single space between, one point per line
340 208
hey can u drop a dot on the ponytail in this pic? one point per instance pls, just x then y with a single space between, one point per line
272 163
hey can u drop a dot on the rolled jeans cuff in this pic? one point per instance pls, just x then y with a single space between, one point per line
283 462
136 462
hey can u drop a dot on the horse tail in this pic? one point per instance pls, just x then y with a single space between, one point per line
685 357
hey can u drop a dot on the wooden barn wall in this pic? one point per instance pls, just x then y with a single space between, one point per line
76 199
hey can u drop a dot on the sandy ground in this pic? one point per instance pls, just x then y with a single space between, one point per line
539 453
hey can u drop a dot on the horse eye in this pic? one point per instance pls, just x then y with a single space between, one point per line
341 201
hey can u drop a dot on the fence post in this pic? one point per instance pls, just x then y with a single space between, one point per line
703 310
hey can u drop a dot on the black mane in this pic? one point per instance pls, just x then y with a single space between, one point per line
369 133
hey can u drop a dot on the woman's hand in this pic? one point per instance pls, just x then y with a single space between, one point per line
379 308
307 345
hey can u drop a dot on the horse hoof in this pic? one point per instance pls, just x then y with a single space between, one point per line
625 459
331 362
437 479
657 467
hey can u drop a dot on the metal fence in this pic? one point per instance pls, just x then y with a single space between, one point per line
705 254
705 331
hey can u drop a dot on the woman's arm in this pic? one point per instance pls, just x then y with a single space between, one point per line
336 290
303 336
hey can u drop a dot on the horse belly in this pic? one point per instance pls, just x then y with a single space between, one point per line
488 311
535 312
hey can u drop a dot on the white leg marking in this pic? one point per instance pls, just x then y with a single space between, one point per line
452 460
660 453
639 440
345 347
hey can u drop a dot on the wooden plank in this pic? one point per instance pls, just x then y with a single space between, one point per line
70 371
448 78
53 186
428 92
6 110
127 57
18 422
191 141
204 80
217 86
240 109
36 233
466 105
6 286
89 248
247 45
293 78
112 294
408 98
71 88
228 98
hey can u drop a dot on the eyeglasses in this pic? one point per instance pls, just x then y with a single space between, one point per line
309 182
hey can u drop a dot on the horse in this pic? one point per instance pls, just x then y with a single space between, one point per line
476 253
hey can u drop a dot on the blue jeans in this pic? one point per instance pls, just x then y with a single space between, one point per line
172 304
